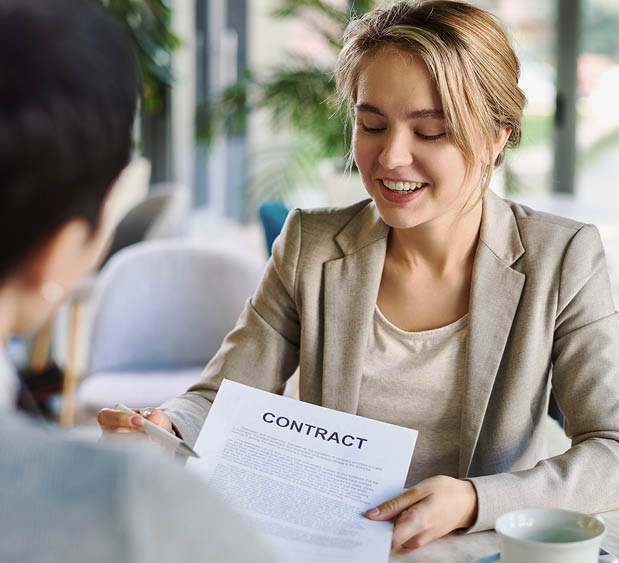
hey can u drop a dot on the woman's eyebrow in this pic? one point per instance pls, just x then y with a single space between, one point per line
420 113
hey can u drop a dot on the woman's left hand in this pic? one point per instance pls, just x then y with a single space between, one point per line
432 508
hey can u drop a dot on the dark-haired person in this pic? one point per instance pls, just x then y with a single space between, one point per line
68 89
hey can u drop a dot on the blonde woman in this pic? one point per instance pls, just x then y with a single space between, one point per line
436 304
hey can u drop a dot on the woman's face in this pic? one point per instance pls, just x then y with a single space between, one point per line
409 167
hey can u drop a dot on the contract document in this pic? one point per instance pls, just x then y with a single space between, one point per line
303 475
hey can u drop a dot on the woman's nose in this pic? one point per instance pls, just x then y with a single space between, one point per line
397 151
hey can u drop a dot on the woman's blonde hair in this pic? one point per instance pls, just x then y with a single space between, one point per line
470 60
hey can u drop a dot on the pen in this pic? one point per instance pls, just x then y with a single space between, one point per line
161 434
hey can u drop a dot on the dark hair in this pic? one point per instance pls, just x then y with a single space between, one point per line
68 94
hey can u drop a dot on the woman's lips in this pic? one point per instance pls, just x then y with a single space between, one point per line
400 197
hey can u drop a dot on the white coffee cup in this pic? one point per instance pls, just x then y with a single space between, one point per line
549 535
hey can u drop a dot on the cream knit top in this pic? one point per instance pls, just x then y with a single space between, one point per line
427 367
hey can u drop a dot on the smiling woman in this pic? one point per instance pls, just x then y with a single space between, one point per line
437 305
400 142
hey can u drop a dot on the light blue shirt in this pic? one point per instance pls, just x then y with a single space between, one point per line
8 382
70 502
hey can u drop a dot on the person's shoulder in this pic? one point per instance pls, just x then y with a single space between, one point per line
330 220
534 220
47 455
31 440
310 235
548 238
57 485
549 233
341 211
122 502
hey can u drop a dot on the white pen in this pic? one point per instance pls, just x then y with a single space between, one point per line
161 434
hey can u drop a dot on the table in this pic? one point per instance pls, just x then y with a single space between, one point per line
464 548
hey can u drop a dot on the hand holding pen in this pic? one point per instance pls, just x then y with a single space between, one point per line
152 421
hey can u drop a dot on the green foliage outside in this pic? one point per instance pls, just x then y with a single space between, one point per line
147 23
299 94
536 129
600 33
539 129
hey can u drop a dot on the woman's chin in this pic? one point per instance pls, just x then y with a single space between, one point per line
397 221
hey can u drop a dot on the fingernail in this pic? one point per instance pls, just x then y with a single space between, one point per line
136 420
146 413
373 512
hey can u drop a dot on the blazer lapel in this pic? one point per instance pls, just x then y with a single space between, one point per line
495 294
351 289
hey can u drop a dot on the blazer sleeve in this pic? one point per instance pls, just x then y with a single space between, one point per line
263 348
585 380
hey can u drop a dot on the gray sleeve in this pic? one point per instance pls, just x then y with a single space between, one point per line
263 348
171 516
585 381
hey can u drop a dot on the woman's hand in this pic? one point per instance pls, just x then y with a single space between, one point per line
431 509
114 420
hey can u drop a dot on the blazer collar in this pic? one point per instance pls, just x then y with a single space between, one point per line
496 289
499 230
366 227
351 290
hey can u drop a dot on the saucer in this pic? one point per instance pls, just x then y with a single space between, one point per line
608 558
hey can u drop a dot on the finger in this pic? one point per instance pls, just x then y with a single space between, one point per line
415 542
114 420
157 417
413 526
394 506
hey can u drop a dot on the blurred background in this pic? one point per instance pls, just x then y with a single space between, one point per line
238 124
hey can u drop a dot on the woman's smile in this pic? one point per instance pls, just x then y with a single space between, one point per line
401 192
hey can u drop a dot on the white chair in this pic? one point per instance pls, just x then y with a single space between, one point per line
160 311
161 214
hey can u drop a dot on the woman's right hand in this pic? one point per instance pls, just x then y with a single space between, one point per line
115 420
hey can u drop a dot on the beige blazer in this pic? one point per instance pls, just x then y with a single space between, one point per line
540 311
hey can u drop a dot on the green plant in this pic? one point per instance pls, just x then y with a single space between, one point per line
147 23
300 94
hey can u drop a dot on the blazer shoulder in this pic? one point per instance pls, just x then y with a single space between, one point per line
332 219
320 228
309 237
531 219
548 237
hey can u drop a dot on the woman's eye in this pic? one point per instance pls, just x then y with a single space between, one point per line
430 137
372 129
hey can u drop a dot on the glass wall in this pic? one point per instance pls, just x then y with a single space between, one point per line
531 26
528 171
598 111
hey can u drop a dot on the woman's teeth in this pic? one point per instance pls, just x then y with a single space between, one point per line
403 186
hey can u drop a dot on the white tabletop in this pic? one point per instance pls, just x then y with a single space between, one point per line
465 548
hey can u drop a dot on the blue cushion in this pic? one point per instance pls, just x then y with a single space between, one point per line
272 215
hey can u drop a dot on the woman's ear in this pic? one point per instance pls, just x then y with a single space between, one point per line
52 271
57 264
500 140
